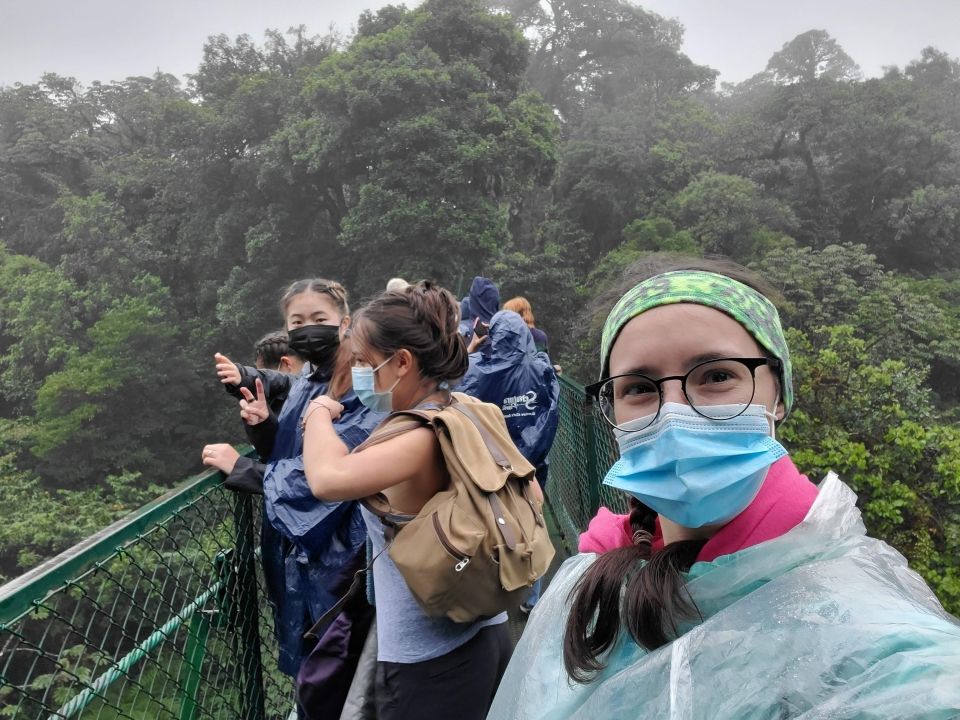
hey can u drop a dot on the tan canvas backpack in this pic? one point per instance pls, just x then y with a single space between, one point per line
476 547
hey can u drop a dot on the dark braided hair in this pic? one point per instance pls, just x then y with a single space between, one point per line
270 349
653 603
331 288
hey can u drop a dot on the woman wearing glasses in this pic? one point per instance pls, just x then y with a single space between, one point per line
736 588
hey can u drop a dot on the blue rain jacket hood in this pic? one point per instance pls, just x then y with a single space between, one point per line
520 381
484 299
305 541
822 622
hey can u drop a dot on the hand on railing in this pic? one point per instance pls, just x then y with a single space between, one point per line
221 456
253 408
227 371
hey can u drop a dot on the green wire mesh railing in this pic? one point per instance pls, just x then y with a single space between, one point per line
163 614
583 451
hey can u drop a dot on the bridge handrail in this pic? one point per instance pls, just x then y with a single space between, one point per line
20 594
163 613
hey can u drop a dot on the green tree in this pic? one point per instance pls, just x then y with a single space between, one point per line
420 137
873 424
810 56
123 405
630 162
599 53
850 157
925 229
42 317
728 215
912 322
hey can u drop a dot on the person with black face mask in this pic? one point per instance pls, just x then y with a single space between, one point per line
306 543
316 316
317 344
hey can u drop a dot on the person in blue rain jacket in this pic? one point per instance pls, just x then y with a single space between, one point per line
521 381
305 543
484 302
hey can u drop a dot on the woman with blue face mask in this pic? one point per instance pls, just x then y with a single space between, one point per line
736 588
407 354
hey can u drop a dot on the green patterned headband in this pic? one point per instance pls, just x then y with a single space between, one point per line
744 304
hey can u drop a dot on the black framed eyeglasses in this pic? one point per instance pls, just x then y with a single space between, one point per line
720 389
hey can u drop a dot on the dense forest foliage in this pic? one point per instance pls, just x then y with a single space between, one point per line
145 224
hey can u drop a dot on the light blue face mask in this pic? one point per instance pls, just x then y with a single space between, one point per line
364 386
693 470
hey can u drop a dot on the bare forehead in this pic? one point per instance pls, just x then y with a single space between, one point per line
669 338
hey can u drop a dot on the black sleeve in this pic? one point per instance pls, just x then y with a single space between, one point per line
247 476
262 435
275 384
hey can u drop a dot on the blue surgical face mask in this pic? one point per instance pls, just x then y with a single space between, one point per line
693 470
364 386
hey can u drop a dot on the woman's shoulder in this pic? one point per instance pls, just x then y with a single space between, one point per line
831 631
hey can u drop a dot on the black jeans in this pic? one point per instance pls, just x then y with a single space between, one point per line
460 684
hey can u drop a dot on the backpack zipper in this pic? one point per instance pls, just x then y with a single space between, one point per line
449 547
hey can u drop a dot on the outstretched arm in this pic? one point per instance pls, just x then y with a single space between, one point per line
236 377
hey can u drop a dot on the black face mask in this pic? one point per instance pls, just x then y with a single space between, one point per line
317 344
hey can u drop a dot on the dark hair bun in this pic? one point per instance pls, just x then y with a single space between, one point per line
423 318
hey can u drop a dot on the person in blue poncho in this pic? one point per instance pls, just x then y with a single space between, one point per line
521 381
483 303
306 543
735 588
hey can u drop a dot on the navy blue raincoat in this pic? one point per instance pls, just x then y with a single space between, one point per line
484 301
305 541
521 382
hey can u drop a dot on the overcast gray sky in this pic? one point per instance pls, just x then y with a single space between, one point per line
111 39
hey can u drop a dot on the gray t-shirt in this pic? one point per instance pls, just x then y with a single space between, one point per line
404 633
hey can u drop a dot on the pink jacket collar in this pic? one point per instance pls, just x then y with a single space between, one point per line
782 503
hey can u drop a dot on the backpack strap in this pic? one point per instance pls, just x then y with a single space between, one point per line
317 630
501 459
395 424
389 429
505 529
498 455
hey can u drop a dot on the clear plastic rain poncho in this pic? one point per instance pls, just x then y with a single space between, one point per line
822 622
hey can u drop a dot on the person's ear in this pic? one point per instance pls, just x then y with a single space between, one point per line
780 411
344 326
404 362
